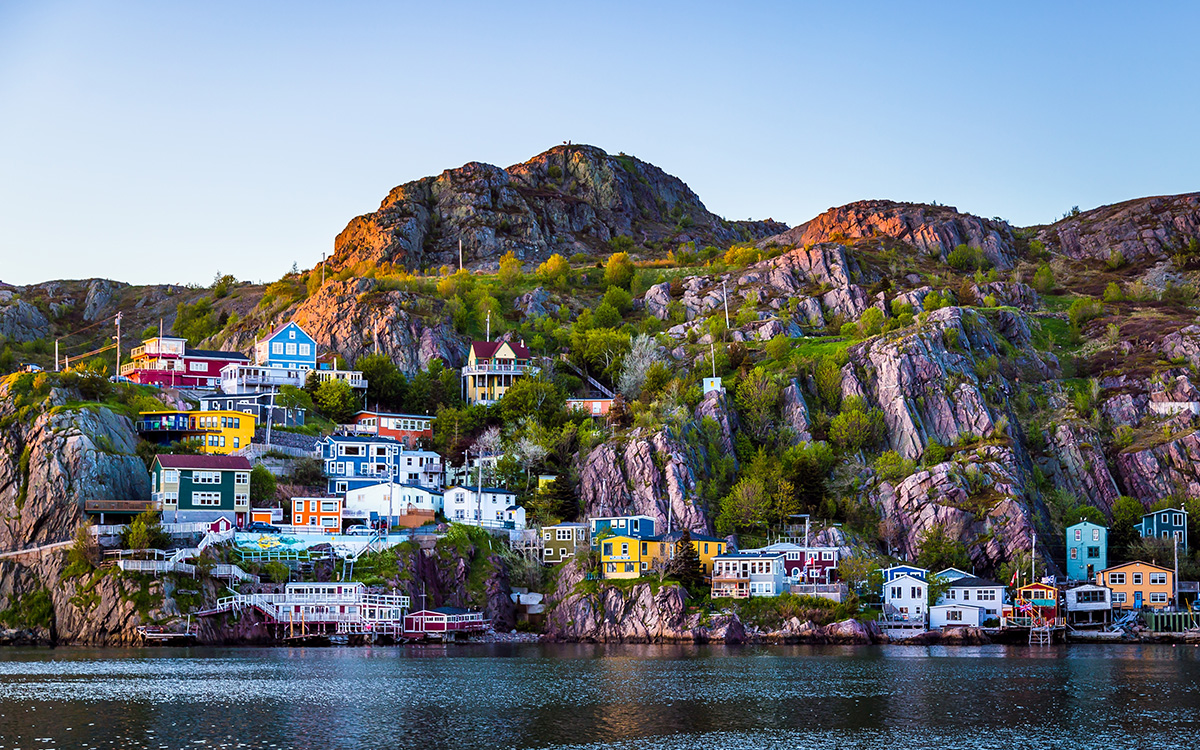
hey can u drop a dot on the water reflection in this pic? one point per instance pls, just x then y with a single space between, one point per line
558 696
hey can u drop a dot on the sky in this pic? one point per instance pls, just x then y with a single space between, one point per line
166 142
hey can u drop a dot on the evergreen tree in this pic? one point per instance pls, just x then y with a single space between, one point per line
685 567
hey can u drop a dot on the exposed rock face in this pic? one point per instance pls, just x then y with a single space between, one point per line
1145 227
822 278
99 298
569 199
1184 343
21 321
353 318
795 412
52 463
1078 465
656 299
533 303
932 229
1167 469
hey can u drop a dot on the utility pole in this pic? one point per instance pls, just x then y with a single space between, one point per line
479 491
1176 571
712 357
725 296
460 262
117 338
489 325
56 355
1033 558
270 415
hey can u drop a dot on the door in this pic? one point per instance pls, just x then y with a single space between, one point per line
1137 600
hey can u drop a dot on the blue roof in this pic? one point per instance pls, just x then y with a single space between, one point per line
362 439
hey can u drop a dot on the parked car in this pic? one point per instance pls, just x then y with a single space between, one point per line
262 528
359 530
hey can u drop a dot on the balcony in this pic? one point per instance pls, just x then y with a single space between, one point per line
352 377
501 369
121 506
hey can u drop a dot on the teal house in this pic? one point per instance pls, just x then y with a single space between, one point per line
1087 551
1166 523
195 489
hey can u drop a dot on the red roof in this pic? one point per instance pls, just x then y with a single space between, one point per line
485 349
172 461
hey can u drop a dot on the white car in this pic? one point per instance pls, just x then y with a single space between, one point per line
359 530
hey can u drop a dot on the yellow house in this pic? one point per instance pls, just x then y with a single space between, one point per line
1137 585
212 432
630 557
623 557
492 367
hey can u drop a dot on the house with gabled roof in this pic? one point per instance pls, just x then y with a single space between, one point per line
201 488
492 367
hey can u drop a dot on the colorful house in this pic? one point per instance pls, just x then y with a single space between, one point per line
168 362
324 513
638 527
1139 585
1087 550
289 346
492 367
741 575
596 407
1034 604
201 488
906 597
217 432
805 564
353 461
1088 604
956 615
623 557
443 623
903 570
489 507
410 430
561 541
1166 524
262 406
989 596
661 548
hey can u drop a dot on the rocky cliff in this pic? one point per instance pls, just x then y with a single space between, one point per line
570 199
1138 229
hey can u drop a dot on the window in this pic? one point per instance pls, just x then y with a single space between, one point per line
351 450
561 534
916 592
241 498
1095 535
305 350
895 592
966 595
1078 535
460 514
1074 553
206 498
299 519
1158 579
1177 519
241 477
954 615
1116 579
624 549
1089 597
329 506
827 555
198 366
277 347
170 476
1118 597
329 523
1158 597
206 477
237 442
340 487
1093 553
1137 579
290 349
608 549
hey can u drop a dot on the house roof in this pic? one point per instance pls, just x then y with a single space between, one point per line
370 413
614 518
566 524
1136 562
279 329
675 536
1164 510
1086 523
957 605
749 555
493 490
338 438
451 611
173 461
486 349
215 354
973 582
910 577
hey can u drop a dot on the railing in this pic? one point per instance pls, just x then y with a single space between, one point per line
155 566
233 572
496 369
120 506
258 450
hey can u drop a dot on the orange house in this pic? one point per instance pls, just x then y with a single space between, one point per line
323 513
1138 585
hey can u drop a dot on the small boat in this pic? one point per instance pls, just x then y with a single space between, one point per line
153 635
1096 636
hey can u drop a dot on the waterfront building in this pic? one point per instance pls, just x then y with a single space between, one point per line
561 541
168 362
805 565
906 597
956 615
215 432
1034 603
201 488
1139 585
324 513
1166 523
1088 604
1087 550
661 549
492 367
989 596
623 556
740 575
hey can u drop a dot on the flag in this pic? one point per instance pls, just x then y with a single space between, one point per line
1013 582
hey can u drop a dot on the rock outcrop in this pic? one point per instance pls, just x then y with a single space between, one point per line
1138 229
931 229
567 200
21 321
1171 468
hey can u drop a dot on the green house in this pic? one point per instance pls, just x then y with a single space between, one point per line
191 489
560 541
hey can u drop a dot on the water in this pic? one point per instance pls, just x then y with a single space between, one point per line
553 696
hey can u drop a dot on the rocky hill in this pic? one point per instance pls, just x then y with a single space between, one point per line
568 200
1138 229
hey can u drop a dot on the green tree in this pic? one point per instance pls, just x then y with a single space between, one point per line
618 298
554 271
1126 514
145 532
606 316
938 551
262 485
828 377
291 397
510 272
386 385
532 397
758 402
336 400
619 270
857 426
1043 279
685 565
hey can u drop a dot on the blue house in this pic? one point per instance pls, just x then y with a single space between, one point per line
1087 551
1166 523
638 527
894 572
288 346
356 461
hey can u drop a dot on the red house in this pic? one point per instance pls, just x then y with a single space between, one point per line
169 362
443 623
408 429
806 564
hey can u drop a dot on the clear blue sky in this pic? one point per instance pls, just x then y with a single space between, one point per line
162 142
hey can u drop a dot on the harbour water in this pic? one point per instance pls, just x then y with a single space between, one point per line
593 696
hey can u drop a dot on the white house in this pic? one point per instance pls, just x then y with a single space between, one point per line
491 507
424 468
955 615
1089 604
979 592
405 498
744 574
905 597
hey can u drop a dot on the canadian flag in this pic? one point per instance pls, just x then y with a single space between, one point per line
1013 582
